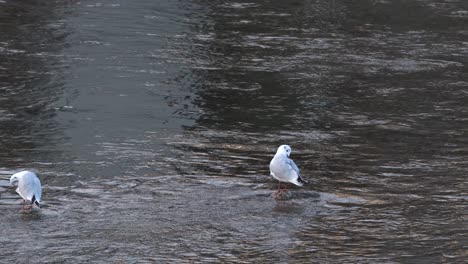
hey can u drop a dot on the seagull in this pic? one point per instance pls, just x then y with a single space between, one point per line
29 187
284 169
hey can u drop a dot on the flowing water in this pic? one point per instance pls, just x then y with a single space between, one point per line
151 125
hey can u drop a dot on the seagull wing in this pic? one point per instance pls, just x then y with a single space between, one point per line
296 169
30 187
293 166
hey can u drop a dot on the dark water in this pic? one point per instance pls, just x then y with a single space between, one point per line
152 123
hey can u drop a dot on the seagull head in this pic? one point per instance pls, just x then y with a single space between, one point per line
284 149
14 180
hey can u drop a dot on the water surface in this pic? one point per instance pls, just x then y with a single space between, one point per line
151 126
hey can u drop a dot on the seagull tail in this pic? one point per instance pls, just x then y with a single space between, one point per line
301 181
34 201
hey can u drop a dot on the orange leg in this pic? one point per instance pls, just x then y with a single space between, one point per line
278 191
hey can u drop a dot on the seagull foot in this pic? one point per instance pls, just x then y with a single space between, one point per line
282 195
276 194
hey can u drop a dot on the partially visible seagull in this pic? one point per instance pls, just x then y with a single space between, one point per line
284 169
29 187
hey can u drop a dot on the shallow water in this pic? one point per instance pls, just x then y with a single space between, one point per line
151 126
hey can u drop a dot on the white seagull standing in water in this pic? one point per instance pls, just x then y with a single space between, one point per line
284 169
29 187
